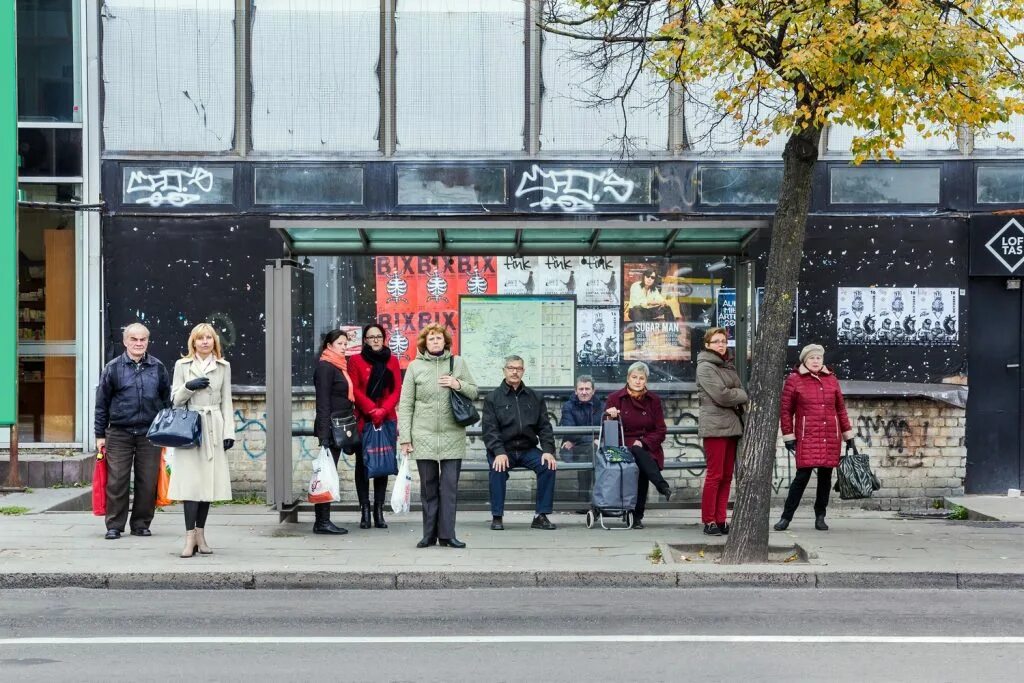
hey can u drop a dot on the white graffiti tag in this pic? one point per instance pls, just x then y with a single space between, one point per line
174 186
573 189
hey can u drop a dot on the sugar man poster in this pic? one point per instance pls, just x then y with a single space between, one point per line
415 291
654 327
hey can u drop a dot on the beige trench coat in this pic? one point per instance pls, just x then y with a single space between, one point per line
202 473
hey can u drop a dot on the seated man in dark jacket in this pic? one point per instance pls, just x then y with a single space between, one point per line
132 389
582 410
515 420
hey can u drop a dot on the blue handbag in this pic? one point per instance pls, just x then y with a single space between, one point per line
380 451
176 428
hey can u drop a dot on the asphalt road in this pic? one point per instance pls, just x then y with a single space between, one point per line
512 635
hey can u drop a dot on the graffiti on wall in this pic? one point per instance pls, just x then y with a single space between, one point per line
574 190
252 433
175 186
896 434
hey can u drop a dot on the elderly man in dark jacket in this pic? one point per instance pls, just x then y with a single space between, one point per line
583 409
132 389
515 420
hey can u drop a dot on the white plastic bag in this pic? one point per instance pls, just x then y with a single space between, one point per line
401 494
324 486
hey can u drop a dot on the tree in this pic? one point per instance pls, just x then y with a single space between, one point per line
790 68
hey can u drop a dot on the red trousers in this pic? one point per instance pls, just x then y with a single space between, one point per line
720 454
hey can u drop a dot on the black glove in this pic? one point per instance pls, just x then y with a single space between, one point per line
791 446
197 383
228 443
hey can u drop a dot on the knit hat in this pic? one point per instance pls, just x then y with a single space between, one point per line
811 349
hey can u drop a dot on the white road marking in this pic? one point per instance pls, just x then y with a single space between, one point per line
546 639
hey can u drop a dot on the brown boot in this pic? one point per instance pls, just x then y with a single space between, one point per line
201 542
190 544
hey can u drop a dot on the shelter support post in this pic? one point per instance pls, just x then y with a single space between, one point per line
279 384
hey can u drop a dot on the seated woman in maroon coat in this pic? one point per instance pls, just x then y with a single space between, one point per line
643 423
814 426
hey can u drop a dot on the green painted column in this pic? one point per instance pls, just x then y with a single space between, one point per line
8 217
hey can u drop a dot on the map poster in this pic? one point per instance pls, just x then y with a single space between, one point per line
414 291
726 312
597 336
898 316
539 329
653 324
594 280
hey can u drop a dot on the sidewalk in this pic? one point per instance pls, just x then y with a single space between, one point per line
863 549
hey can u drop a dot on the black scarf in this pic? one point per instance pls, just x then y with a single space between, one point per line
381 380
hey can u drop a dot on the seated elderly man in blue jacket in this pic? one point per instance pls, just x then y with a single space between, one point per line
583 409
515 421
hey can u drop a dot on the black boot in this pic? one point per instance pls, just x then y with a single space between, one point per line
364 516
819 523
782 524
378 516
323 523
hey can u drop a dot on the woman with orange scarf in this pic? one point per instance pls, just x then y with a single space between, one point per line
334 398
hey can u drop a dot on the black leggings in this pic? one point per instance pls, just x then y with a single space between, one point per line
380 484
796 491
195 513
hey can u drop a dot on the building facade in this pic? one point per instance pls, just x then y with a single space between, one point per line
410 155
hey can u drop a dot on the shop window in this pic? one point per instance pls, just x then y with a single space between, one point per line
309 185
738 185
315 86
884 185
178 185
452 185
1001 184
49 68
47 317
168 75
460 75
50 152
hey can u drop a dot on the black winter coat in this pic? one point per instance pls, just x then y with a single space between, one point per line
129 394
516 421
331 399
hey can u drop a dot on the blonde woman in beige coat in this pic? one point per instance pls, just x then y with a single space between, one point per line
199 476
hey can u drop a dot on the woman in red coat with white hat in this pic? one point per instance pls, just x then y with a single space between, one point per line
814 427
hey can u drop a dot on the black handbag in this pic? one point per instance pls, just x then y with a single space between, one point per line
463 410
176 428
345 431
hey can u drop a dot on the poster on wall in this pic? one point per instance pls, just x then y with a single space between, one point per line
794 323
592 279
653 326
355 338
725 309
898 316
597 336
414 291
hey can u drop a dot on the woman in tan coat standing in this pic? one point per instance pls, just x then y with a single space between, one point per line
720 425
429 434
202 382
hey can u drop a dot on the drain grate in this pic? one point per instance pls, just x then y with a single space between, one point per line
987 525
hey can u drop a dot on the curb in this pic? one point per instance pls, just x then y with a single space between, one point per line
431 580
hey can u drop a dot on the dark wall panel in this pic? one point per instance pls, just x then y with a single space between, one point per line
173 273
869 252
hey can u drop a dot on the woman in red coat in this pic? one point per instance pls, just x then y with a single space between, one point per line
643 424
814 426
377 381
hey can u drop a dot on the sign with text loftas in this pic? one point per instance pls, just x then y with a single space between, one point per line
997 245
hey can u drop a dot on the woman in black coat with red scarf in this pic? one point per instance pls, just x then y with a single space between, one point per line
640 413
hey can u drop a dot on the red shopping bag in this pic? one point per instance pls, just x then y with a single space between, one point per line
99 485
163 482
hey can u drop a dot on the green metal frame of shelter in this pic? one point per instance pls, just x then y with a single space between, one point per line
499 236
8 219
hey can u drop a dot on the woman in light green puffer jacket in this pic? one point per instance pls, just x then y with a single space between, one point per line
428 433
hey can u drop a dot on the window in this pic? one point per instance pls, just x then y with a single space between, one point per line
178 185
314 76
49 65
1001 184
884 185
460 73
309 185
728 185
50 152
453 185
168 75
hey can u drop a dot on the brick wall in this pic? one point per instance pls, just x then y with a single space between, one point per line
916 448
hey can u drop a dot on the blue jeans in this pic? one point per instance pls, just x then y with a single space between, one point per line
530 460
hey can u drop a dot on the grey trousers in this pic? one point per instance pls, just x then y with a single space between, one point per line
439 493
125 451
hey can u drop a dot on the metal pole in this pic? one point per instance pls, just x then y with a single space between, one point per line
9 235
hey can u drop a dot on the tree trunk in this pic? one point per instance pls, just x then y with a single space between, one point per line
748 537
